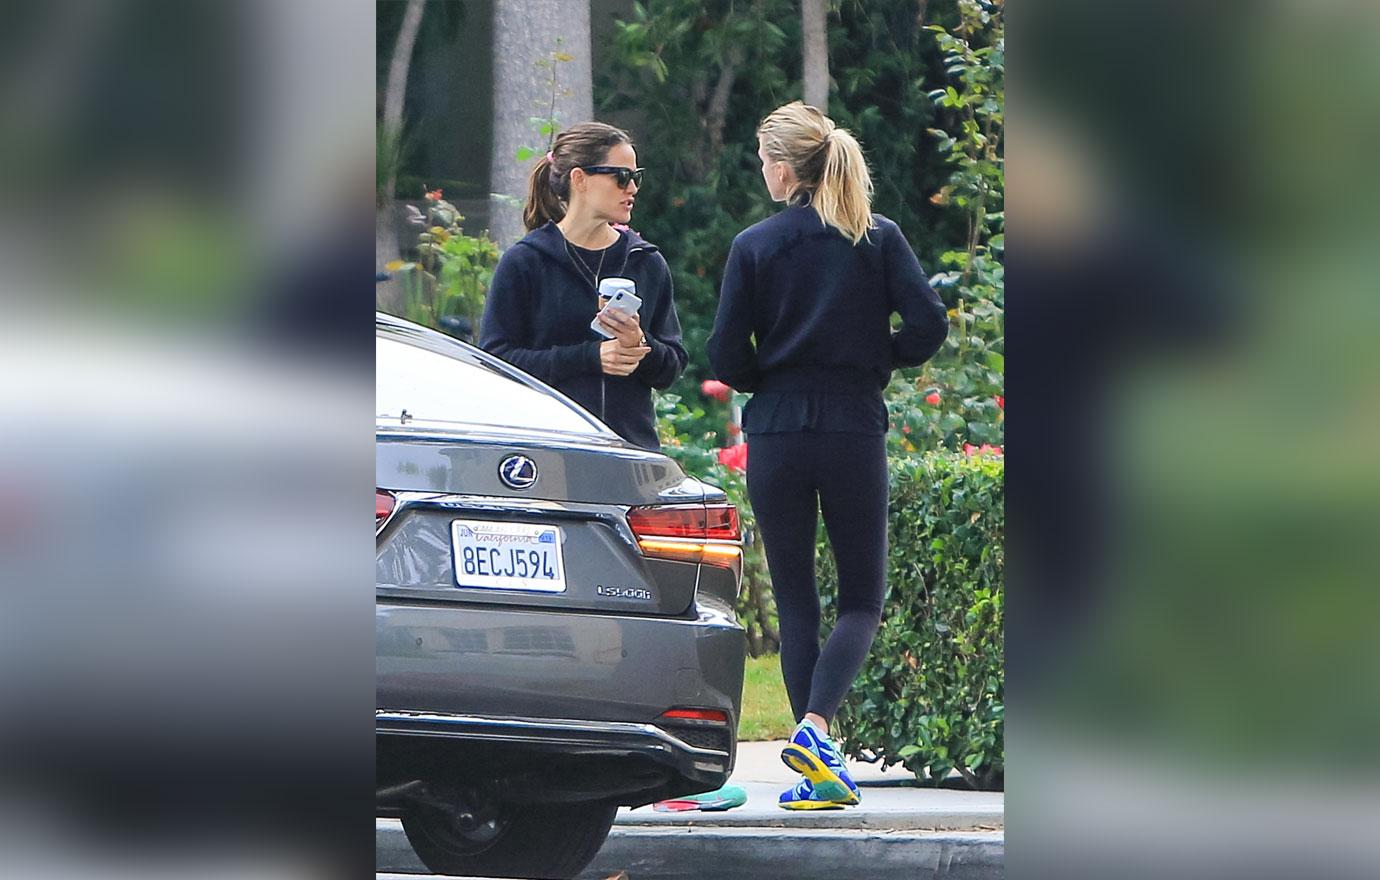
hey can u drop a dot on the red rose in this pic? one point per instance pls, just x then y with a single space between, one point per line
1001 402
734 457
715 389
932 398
905 429
433 195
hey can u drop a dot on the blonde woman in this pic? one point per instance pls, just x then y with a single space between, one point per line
815 286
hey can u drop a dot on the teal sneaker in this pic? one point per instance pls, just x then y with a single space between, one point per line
813 754
804 797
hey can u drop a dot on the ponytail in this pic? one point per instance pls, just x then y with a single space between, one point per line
548 186
828 164
843 197
543 203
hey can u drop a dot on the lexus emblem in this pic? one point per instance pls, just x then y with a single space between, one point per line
518 471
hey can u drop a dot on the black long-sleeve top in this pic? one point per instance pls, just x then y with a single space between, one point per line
804 322
537 318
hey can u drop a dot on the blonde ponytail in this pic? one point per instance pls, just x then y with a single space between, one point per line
828 164
843 196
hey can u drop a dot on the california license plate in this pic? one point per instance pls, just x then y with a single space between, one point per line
507 556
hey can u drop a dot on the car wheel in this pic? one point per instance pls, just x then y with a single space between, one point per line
509 840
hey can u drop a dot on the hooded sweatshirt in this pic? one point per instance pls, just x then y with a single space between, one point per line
538 314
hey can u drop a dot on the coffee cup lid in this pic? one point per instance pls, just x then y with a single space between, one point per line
613 284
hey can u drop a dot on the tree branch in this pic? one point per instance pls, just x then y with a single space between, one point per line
395 93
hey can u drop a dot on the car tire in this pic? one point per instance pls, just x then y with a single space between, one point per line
530 840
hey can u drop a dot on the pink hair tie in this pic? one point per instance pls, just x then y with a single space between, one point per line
550 158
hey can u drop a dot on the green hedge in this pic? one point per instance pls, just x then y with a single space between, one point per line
931 693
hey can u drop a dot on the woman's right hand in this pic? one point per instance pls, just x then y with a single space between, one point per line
619 360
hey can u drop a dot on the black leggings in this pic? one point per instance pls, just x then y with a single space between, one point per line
790 478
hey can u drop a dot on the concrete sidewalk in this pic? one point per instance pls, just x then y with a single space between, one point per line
890 801
898 832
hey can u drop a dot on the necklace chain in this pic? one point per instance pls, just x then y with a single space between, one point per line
580 261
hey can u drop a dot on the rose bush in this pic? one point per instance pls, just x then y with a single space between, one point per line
734 457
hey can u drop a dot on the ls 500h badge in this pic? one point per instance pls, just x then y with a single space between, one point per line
625 593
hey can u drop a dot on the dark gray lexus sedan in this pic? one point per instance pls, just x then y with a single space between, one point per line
556 634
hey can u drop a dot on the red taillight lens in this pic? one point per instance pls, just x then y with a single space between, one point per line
383 507
717 522
688 533
667 522
722 522
696 715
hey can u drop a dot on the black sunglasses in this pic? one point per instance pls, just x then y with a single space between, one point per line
620 173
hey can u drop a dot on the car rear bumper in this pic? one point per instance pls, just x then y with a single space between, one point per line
547 705
665 759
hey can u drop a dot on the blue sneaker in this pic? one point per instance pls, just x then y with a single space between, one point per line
812 753
804 797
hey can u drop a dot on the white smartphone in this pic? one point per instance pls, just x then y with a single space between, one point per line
622 301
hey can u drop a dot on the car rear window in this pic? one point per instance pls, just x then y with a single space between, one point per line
432 387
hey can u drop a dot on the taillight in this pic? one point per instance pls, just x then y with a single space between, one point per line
383 507
668 521
707 533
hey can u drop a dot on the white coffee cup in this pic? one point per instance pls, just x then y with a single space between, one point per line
609 286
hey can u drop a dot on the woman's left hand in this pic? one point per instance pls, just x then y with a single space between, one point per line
626 328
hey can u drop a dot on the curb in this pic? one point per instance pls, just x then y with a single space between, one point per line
837 820
682 853
649 853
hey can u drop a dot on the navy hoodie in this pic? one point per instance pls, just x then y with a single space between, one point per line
537 318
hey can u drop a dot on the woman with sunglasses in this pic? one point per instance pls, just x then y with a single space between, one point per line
815 286
545 290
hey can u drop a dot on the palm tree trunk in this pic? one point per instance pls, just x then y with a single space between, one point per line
526 32
815 53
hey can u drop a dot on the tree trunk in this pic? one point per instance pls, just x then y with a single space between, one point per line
771 637
717 112
389 294
754 641
815 53
396 90
526 32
